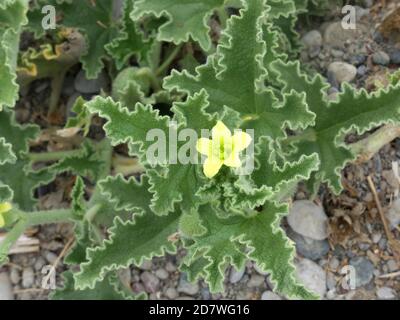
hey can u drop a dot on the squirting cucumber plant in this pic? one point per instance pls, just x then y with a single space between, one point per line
171 72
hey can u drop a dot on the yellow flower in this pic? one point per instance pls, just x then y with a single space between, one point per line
222 149
4 207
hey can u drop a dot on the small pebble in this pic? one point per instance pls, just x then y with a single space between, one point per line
269 295
171 293
395 56
15 276
162 274
235 276
364 270
312 276
6 292
386 293
381 58
308 219
312 39
255 281
186 287
393 265
343 71
146 265
28 277
84 85
150 282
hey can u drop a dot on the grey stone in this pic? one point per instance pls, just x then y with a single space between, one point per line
162 274
171 293
256 281
6 292
170 267
330 281
146 265
376 237
15 276
362 70
236 275
309 248
364 270
343 72
308 219
312 39
259 271
393 214
28 277
186 287
358 59
51 257
39 264
395 56
386 293
84 85
312 276
337 53
269 295
334 263
150 282
336 36
381 58
393 265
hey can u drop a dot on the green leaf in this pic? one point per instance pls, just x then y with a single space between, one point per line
281 178
266 244
130 242
6 194
104 290
96 21
234 77
19 175
77 196
130 41
88 163
12 18
354 110
185 19
6 153
125 126
127 194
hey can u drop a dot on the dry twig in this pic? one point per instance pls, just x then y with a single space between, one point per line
394 244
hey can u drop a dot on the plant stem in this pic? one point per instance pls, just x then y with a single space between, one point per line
167 62
48 216
56 87
11 237
153 79
52 156
365 149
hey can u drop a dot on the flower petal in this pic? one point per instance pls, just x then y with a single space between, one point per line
241 140
212 166
233 160
204 146
220 131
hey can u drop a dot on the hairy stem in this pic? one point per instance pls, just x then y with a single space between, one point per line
365 149
11 237
48 216
167 62
56 87
52 156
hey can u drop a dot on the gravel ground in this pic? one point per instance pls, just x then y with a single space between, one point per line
332 233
